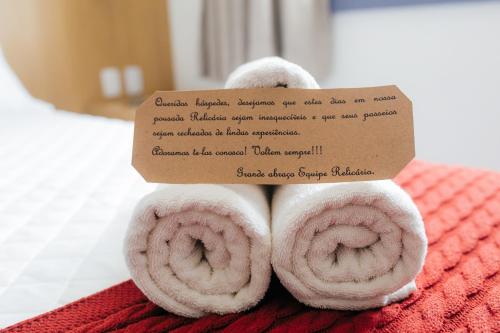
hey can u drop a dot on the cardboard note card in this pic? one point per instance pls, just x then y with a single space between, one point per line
273 136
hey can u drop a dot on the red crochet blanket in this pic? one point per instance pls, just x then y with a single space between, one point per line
458 290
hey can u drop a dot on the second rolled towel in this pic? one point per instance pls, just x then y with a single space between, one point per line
197 249
347 246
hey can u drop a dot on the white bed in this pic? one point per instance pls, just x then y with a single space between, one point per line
66 193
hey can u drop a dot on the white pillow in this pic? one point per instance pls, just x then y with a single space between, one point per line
13 95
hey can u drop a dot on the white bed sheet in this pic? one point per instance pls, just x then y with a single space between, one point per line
67 190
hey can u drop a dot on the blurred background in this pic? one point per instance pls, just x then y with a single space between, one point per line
103 57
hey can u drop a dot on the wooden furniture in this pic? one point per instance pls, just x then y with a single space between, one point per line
58 47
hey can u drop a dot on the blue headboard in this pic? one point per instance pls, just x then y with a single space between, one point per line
362 4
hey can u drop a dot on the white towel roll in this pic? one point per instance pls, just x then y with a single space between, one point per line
347 245
197 249
270 72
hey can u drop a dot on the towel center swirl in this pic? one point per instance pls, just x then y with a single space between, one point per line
201 249
350 244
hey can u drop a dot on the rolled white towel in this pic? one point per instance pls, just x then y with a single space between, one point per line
342 246
197 249
270 72
347 245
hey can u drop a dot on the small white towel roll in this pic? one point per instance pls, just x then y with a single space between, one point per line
270 72
197 249
347 245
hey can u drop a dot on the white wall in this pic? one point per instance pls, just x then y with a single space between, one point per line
446 58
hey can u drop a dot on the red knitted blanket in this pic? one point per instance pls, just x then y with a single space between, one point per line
458 290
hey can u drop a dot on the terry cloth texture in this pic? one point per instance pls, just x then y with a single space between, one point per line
348 245
197 249
270 72
457 291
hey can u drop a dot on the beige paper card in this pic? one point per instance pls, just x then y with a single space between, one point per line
273 136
